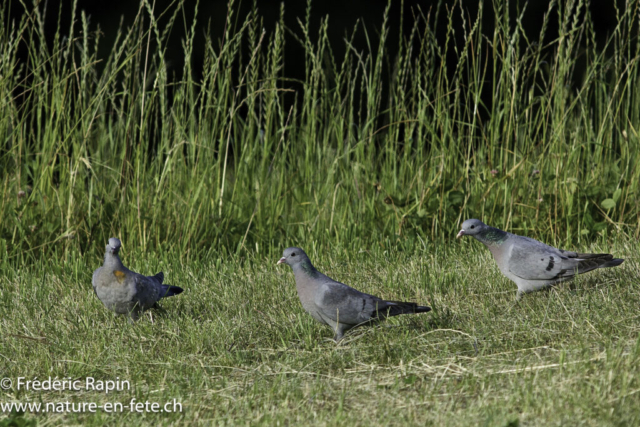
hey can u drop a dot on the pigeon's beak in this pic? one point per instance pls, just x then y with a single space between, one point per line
283 259
460 234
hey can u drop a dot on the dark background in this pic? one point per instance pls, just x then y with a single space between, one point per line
343 15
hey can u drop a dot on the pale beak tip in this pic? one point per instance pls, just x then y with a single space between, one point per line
460 234
280 261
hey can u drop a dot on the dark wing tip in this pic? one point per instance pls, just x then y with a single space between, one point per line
397 307
605 257
170 290
176 290
614 262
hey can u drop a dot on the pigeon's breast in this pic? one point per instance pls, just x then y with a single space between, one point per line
307 299
501 255
114 291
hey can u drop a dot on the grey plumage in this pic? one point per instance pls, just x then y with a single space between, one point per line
336 304
124 291
531 264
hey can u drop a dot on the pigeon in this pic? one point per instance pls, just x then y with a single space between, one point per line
531 264
336 304
124 291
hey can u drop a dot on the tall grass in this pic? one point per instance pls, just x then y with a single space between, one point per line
389 146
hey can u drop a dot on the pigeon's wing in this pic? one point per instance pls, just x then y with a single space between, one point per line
531 262
541 262
343 304
159 277
147 290
164 290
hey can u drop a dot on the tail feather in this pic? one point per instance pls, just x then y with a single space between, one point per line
169 291
588 262
613 263
396 308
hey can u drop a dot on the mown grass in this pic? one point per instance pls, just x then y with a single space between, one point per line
237 348
386 145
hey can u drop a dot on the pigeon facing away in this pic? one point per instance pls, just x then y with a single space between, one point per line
336 304
124 291
531 264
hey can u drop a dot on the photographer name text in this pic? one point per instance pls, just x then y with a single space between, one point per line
56 384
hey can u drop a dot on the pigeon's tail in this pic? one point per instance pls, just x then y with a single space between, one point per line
613 263
588 262
394 308
169 291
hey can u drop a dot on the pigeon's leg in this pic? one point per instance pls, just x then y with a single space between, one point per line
519 295
340 331
337 328
160 309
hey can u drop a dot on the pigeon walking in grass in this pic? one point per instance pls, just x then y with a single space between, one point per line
124 291
532 265
336 304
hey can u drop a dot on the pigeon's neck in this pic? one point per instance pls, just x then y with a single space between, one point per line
112 260
305 267
491 236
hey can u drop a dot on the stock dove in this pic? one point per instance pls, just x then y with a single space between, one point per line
531 264
336 304
124 291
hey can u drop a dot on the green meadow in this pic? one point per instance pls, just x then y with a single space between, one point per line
370 163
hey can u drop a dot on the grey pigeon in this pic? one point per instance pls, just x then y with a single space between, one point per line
336 304
124 291
531 264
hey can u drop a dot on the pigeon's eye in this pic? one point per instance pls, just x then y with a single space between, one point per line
473 226
293 254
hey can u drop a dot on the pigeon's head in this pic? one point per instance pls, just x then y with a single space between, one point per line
293 256
114 245
471 227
